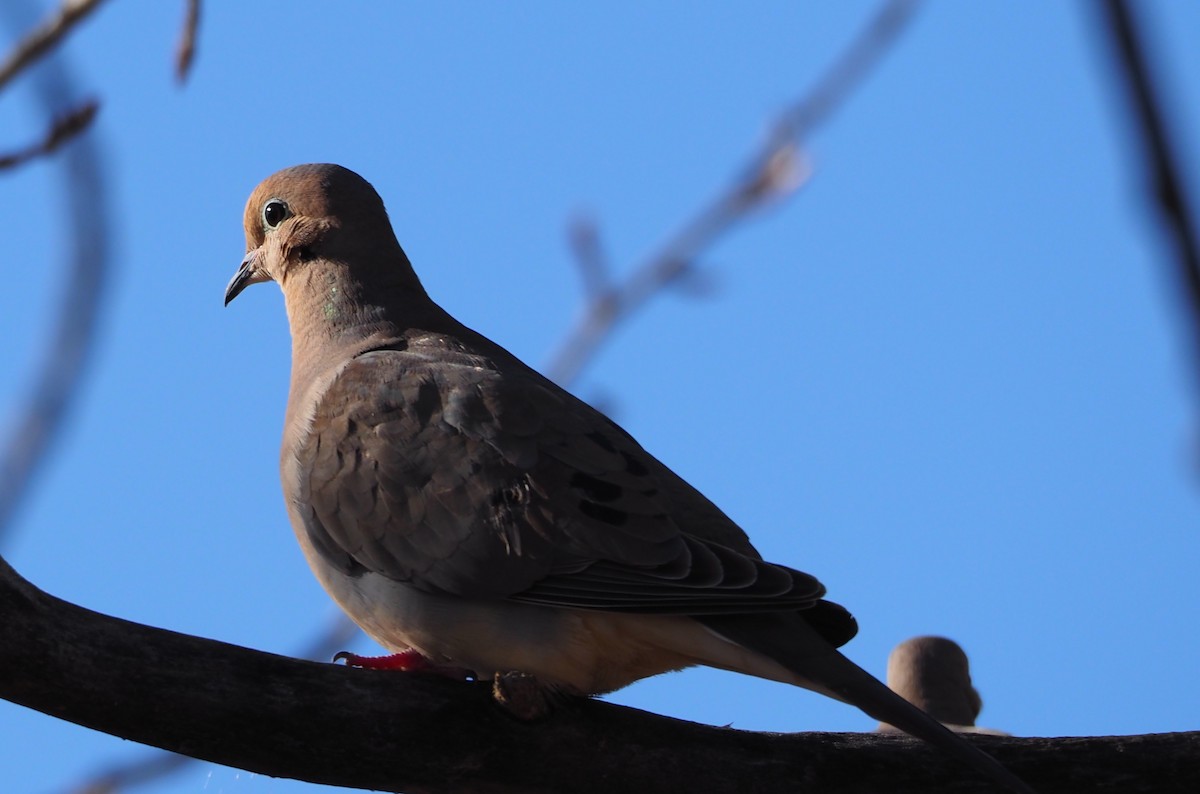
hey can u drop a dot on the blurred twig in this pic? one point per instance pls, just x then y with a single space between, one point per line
1166 189
64 128
154 766
185 53
773 172
86 223
42 39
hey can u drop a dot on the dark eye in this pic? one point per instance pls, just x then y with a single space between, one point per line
275 212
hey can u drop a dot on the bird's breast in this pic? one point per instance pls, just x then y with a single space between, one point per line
572 650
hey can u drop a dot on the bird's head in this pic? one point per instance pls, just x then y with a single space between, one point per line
317 217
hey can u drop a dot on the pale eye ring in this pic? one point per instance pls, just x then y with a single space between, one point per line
275 212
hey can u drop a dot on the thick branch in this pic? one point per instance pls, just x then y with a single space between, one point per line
378 730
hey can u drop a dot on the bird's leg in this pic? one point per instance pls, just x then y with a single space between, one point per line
409 661
520 694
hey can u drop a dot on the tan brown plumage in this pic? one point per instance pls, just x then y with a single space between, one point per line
455 502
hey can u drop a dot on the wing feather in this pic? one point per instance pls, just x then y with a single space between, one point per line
428 467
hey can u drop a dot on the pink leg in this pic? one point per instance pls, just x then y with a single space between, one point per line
410 661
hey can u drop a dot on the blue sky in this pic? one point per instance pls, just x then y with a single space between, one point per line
949 377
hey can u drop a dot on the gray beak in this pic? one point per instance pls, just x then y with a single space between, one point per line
247 273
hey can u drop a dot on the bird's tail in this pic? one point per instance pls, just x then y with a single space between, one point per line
787 639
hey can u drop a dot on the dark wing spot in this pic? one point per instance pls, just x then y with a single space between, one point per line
602 513
601 440
428 402
595 489
634 466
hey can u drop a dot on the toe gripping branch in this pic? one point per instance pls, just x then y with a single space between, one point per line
410 661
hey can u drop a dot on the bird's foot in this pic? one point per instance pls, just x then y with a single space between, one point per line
410 661
522 695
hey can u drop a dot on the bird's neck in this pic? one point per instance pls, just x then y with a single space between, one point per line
334 314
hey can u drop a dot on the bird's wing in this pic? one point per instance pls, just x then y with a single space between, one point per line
443 473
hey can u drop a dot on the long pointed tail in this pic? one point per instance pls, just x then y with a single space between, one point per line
789 640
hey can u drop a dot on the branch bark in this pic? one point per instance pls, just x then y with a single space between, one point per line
394 732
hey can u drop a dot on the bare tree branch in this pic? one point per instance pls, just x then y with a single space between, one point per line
593 262
772 173
43 38
775 171
74 335
854 64
153 765
377 730
369 729
63 129
1165 187
185 53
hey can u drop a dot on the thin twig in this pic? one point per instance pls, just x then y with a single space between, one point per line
74 335
64 128
590 256
185 53
154 766
776 170
1165 187
851 67
42 39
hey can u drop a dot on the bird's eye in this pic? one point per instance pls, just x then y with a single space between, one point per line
275 212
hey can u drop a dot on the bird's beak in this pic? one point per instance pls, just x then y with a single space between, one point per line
248 273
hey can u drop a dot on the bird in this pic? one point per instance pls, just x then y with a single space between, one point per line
468 513
933 673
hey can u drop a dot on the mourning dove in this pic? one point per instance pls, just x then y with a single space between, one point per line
933 674
466 511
